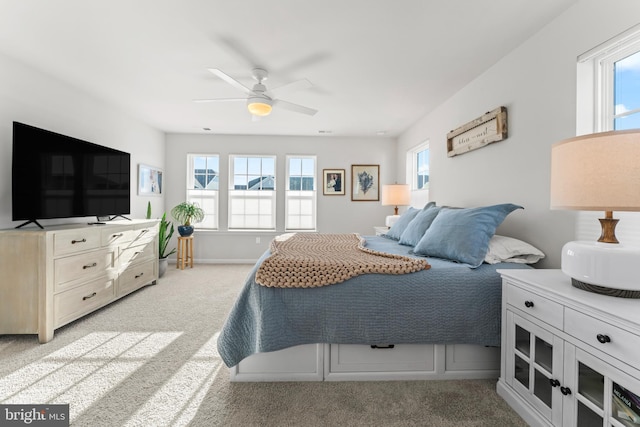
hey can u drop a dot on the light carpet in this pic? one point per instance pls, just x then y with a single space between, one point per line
150 359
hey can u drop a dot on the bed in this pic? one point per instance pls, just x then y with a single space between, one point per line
435 323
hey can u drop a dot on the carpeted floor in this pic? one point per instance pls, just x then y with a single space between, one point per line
150 359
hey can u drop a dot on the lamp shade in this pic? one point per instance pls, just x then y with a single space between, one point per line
396 195
598 172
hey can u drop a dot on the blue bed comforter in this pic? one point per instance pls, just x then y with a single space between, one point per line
448 304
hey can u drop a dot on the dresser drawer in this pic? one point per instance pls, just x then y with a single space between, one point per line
136 276
400 358
76 302
68 271
621 344
129 255
144 234
68 242
535 305
117 236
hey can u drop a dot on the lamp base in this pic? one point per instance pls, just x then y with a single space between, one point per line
620 293
604 268
390 220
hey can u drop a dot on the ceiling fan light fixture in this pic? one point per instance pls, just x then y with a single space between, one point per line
259 106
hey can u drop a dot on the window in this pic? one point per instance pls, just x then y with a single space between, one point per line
418 167
203 184
252 192
616 67
300 197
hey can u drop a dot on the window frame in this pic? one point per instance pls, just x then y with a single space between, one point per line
292 195
204 193
412 166
252 197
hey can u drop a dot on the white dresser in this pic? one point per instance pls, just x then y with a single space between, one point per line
569 357
51 277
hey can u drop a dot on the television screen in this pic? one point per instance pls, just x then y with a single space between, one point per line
57 176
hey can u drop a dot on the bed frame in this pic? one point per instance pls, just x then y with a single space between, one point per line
352 362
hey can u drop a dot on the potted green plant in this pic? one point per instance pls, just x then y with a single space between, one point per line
187 213
165 231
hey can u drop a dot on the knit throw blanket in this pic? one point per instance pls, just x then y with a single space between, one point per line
306 260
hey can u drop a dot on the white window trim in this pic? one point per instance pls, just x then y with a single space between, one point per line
301 195
412 169
210 194
251 195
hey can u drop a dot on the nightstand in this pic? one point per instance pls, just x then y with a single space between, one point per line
569 357
380 230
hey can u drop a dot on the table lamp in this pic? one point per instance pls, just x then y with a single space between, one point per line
395 195
599 172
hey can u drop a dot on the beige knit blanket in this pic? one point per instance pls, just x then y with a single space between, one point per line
306 260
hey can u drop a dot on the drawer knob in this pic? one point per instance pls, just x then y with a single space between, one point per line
73 242
528 304
565 390
554 382
84 267
603 338
139 276
89 296
115 236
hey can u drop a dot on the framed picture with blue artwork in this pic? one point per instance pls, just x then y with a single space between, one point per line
365 183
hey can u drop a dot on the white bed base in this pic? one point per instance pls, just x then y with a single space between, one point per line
351 362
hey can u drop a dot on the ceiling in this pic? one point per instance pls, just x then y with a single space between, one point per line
377 66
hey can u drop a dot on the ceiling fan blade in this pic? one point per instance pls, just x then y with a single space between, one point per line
289 87
220 100
233 82
294 107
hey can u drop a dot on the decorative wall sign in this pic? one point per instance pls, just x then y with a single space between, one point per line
149 181
365 183
491 127
333 182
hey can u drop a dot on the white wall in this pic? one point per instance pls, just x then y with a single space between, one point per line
335 214
34 98
537 84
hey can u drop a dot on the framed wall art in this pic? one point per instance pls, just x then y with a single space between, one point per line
149 181
486 129
333 182
365 183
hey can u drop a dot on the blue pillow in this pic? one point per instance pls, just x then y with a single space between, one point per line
416 228
463 235
397 229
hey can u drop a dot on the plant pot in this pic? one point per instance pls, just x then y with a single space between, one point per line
162 266
185 230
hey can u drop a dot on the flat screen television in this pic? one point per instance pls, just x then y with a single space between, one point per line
57 176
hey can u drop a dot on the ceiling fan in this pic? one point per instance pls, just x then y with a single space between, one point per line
260 101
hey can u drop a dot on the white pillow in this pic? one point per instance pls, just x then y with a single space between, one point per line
508 249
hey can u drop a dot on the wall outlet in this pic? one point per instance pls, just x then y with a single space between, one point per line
257 240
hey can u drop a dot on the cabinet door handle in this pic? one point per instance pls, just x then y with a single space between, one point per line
528 304
565 390
73 242
554 382
115 236
603 338
84 267
139 275
88 296
382 347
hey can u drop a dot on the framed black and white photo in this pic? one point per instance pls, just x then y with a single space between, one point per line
333 182
149 181
365 183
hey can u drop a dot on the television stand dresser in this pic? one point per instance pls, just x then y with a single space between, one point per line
51 277
569 357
